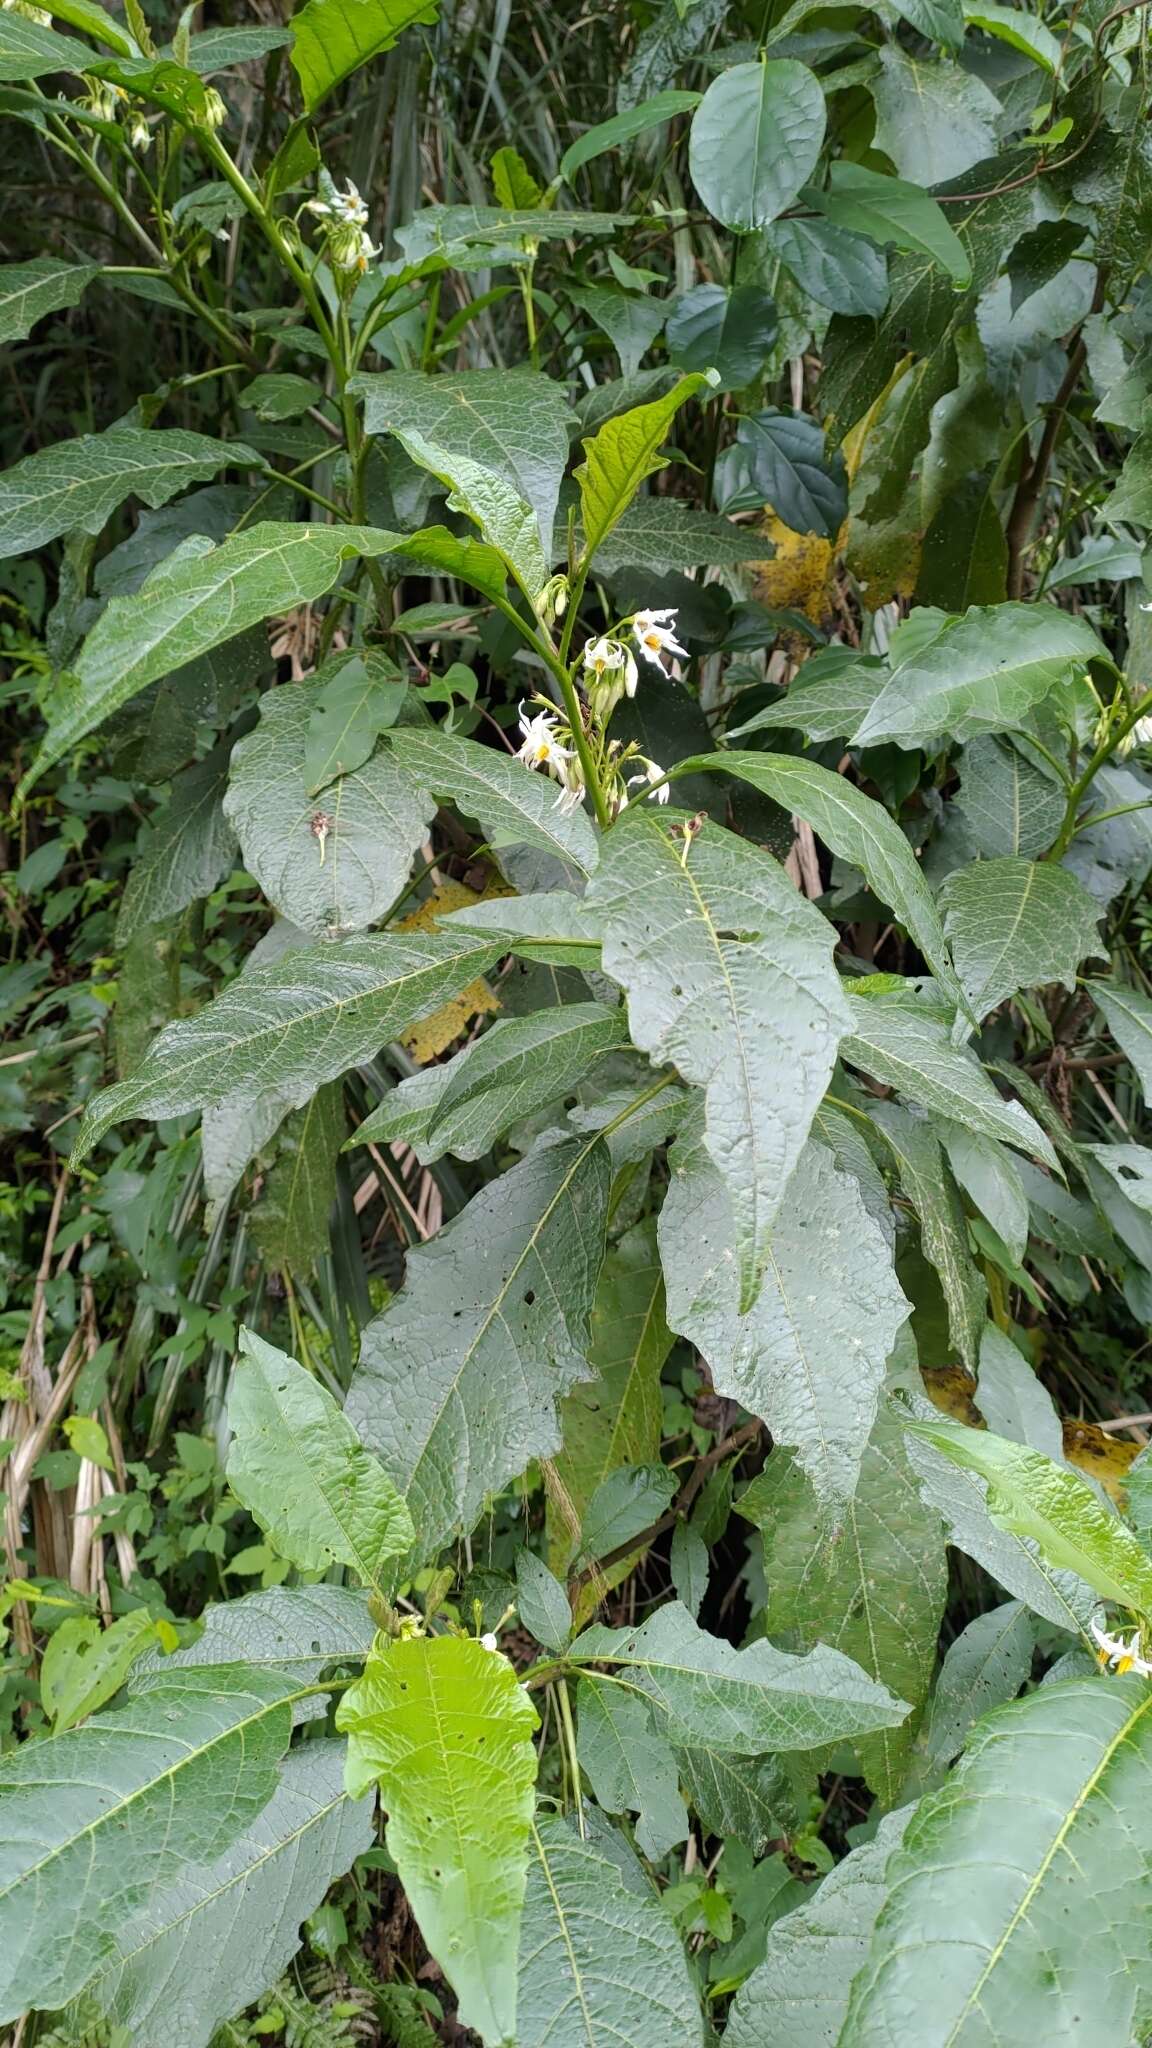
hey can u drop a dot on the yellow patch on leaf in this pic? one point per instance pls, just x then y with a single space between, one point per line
433 1035
1092 1450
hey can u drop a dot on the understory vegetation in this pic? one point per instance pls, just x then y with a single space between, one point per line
576 1212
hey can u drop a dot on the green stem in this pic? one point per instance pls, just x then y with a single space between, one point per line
232 174
570 1748
1107 747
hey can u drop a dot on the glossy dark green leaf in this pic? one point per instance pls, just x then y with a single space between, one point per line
755 140
729 329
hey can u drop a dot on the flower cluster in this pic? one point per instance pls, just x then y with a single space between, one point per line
1118 1655
345 217
543 746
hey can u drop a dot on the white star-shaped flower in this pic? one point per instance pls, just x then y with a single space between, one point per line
1120 1655
653 772
540 747
654 636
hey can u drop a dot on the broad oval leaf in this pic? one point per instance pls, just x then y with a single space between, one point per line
1021 1887
600 1960
332 863
728 973
294 1024
809 1356
1015 924
729 329
441 1725
458 1379
1032 1497
95 1818
755 140
892 212
299 1468
979 671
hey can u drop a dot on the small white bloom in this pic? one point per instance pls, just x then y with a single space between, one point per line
488 1642
347 208
653 772
540 747
1144 607
1121 1655
1142 730
654 636
140 136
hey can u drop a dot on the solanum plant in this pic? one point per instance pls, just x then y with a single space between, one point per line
696 822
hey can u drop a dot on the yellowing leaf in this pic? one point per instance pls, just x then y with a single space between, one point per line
433 1035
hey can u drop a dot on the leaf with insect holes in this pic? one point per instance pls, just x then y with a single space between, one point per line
728 973
458 1378
442 1726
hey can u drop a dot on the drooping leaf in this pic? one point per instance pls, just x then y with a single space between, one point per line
854 827
296 1630
631 320
1020 30
458 1379
542 1601
799 1995
357 695
961 1497
243 1910
30 291
293 1024
747 1701
506 520
84 1664
910 1050
778 459
195 600
892 212
624 451
514 806
626 1502
984 1667
653 113
298 1467
933 118
600 1959
614 1419
518 1066
729 329
630 1765
473 561
1128 1015
728 974
988 1175
1020 1858
809 1356
290 1221
1012 1400
943 1233
748 1797
76 485
188 848
1008 805
332 38
1033 1497
441 1725
755 140
1015 924
979 671
840 270
868 1577
511 423
333 863
88 1818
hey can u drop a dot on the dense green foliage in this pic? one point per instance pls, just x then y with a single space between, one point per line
576 1234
